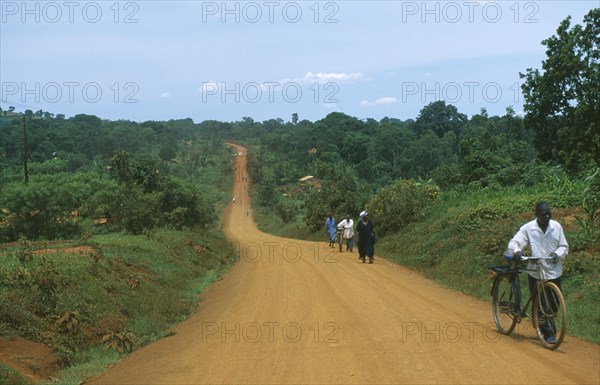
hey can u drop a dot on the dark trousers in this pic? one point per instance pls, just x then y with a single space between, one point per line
548 327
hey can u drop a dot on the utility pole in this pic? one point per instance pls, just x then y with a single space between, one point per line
25 155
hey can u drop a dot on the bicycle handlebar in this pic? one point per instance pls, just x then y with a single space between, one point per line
528 257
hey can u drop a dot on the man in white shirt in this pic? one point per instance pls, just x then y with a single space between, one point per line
545 238
348 231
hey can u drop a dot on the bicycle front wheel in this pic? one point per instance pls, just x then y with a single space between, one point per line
504 304
550 315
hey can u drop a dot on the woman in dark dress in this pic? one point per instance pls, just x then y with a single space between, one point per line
366 238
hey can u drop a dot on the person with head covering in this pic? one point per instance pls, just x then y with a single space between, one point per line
347 226
331 228
366 238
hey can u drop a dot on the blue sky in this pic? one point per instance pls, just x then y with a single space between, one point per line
159 60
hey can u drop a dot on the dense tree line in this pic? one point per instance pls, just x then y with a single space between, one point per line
354 158
86 174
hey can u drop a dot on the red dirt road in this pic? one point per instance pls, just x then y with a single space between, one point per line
294 312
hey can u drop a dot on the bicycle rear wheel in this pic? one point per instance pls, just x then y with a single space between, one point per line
550 316
504 304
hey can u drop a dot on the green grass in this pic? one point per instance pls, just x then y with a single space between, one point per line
9 376
88 364
136 284
269 222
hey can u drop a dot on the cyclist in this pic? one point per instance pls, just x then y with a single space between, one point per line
545 238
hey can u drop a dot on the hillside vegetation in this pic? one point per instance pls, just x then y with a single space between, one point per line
109 239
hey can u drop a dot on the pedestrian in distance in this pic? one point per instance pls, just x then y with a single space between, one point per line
331 229
347 226
545 238
366 238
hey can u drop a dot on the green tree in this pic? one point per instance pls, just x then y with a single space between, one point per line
120 167
167 152
145 173
41 209
340 192
267 195
401 203
478 163
354 147
331 130
562 102
183 204
428 152
440 118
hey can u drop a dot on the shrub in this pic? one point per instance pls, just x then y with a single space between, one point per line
447 176
403 202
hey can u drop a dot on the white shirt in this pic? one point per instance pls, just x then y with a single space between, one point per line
348 226
542 245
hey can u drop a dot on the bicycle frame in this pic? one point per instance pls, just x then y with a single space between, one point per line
340 237
516 282
515 279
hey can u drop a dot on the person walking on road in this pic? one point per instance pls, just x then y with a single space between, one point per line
347 226
545 238
331 229
366 238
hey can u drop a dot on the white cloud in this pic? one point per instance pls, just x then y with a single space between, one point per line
210 87
386 100
379 102
322 77
166 95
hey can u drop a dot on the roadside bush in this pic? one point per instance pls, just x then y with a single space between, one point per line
267 195
590 204
286 210
567 191
580 263
403 202
183 204
448 176
8 375
140 211
341 192
39 209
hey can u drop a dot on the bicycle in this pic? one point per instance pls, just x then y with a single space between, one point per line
548 309
340 237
